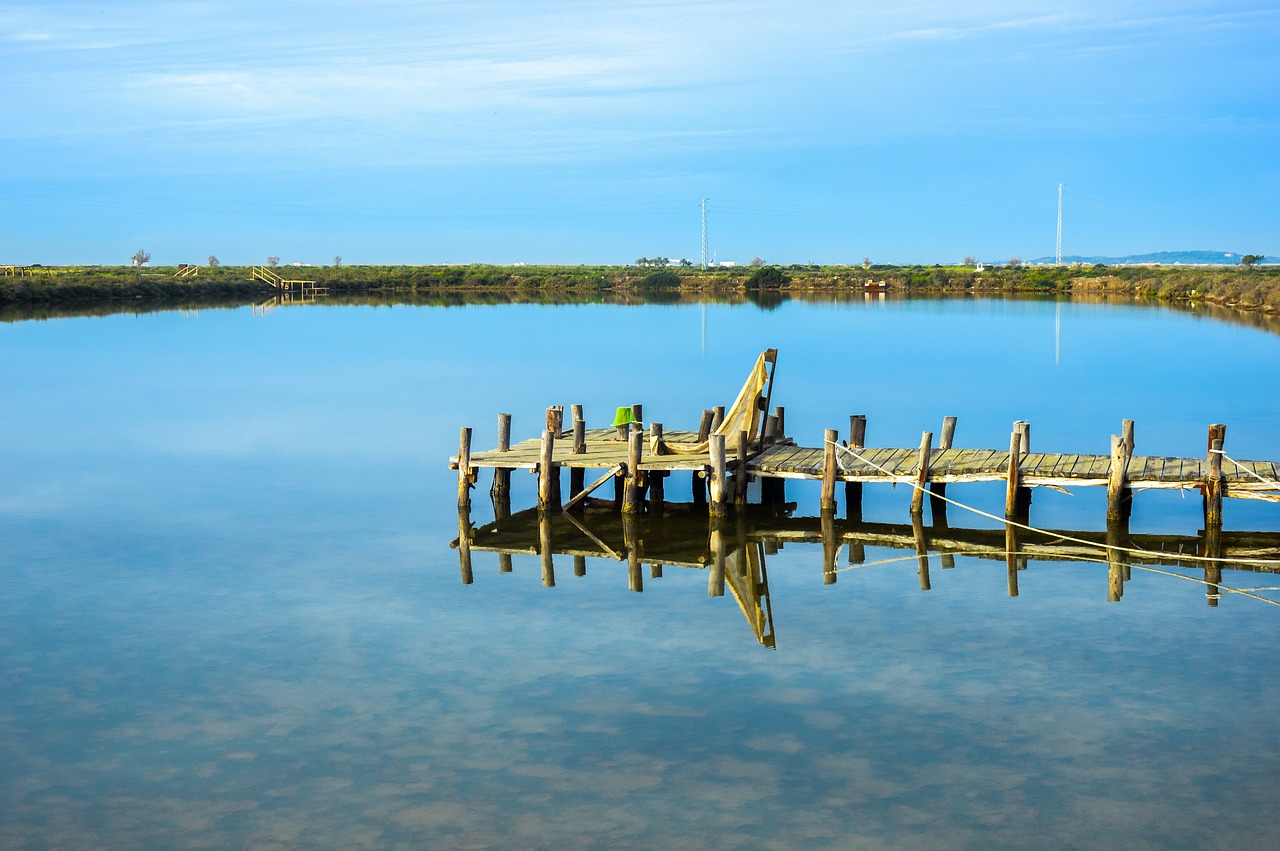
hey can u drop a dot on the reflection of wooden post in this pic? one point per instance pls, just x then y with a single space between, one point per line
922 475
828 500
922 551
1011 556
1116 469
579 565
502 475
464 545
715 577
937 505
548 472
1117 555
853 490
1213 486
631 488
545 549
830 548
631 538
1011 491
718 486
464 468
1213 569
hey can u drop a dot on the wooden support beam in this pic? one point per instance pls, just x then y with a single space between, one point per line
585 492
922 475
828 500
631 487
548 472
465 475
717 481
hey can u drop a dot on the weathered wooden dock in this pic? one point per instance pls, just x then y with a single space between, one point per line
729 450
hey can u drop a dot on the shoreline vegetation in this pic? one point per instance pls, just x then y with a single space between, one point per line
36 292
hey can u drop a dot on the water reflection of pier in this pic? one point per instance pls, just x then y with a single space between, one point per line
734 552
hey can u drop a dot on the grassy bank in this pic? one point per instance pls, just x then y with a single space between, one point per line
1250 289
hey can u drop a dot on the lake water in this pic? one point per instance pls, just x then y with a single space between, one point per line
230 615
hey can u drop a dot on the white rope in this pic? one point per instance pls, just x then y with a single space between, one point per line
1132 550
1275 486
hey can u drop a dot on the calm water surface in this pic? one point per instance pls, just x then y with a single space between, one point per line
230 615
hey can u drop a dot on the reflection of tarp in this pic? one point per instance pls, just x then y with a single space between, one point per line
750 587
743 415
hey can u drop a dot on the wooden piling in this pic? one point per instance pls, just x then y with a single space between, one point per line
1023 506
465 473
555 419
922 475
637 414
780 415
937 505
502 475
578 475
1213 487
740 479
853 490
655 439
1011 490
548 473
828 500
717 482
631 486
1116 476
704 425
717 417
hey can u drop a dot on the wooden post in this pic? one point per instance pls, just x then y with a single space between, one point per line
853 490
464 468
704 425
631 488
717 417
770 430
1126 432
504 562
546 549
579 565
655 439
698 483
1011 491
781 429
502 475
828 500
578 475
922 551
830 547
656 478
1116 472
717 481
1126 493
922 475
555 419
548 472
740 492
1023 428
1213 488
937 505
637 414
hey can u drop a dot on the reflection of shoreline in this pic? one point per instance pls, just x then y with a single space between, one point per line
735 552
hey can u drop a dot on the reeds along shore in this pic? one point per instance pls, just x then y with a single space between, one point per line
1253 289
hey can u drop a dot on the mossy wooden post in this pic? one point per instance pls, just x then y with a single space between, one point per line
717 482
830 547
464 545
1012 478
827 502
853 490
1117 469
938 505
631 486
546 549
502 475
548 472
922 551
1213 482
1011 556
464 468
922 475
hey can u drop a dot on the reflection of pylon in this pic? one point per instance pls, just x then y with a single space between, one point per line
1059 250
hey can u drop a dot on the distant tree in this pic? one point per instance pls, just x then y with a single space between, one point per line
766 278
685 261
337 261
758 263
660 280
213 260
1014 262
140 257
1250 260
970 261
272 261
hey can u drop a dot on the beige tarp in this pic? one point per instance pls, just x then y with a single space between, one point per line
743 415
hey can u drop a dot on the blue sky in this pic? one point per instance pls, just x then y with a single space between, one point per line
588 132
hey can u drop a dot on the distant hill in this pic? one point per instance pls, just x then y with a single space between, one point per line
1167 258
